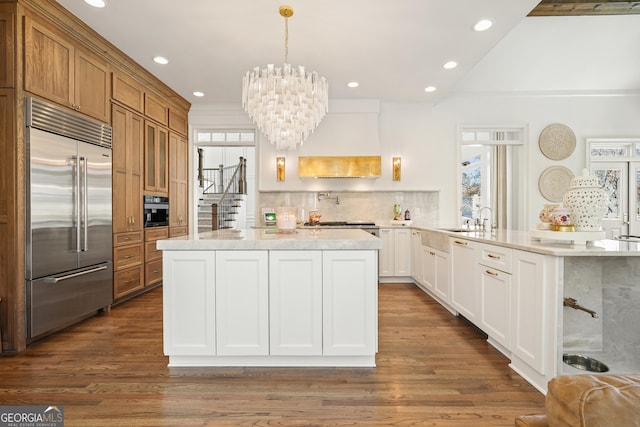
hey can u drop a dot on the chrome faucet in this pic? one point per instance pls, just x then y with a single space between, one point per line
323 196
573 303
484 224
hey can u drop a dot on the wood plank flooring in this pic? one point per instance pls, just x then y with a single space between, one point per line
434 369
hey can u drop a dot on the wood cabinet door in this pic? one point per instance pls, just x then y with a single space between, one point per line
7 45
156 158
295 303
91 76
127 170
178 184
48 63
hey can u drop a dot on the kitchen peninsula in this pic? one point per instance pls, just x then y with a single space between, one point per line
258 297
548 306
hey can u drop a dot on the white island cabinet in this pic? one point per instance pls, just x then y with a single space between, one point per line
260 298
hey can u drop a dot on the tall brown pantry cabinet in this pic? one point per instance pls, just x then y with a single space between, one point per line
47 52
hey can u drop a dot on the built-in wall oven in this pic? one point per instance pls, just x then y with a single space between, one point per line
156 211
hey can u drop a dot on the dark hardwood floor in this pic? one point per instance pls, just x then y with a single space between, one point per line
433 369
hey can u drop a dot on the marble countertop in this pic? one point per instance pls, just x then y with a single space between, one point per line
303 238
517 239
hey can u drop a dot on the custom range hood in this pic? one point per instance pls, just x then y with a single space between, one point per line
339 167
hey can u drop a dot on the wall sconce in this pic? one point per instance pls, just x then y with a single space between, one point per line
280 168
397 168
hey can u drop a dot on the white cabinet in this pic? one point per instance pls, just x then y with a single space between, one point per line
242 303
465 292
494 267
395 255
295 300
350 296
416 255
188 301
529 314
429 271
442 286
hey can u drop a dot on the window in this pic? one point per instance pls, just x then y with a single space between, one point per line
492 182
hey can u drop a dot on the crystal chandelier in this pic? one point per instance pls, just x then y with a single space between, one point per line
286 103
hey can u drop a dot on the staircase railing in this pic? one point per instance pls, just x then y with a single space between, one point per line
224 210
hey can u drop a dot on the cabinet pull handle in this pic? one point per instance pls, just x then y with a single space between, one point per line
493 256
156 271
460 242
128 256
491 273
431 253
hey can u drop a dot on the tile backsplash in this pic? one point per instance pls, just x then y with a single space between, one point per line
358 206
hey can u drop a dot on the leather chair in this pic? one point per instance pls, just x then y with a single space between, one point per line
589 400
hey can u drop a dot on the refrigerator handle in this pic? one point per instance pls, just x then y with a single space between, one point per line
76 191
72 275
85 205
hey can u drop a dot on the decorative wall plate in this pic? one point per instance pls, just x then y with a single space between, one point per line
557 141
554 182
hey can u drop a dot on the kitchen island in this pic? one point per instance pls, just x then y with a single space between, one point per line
263 298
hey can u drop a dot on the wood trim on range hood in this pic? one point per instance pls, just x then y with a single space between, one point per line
339 166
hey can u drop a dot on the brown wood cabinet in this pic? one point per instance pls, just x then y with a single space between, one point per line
7 45
155 108
127 91
178 185
128 165
156 171
153 257
57 69
47 52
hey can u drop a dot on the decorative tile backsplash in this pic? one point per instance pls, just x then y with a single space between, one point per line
358 206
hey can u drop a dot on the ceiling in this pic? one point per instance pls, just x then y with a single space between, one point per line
394 49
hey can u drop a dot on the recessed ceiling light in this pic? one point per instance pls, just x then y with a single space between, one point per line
95 3
198 94
160 60
450 65
353 84
429 89
483 25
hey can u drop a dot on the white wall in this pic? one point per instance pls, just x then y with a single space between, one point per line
425 137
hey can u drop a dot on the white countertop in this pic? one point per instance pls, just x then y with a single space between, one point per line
305 238
517 239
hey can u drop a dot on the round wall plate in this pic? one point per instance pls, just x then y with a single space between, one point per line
557 141
554 182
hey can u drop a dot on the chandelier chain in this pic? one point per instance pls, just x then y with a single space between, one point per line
286 40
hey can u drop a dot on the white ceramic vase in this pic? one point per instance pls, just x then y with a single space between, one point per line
587 202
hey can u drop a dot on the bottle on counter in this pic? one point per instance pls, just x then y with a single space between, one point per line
407 215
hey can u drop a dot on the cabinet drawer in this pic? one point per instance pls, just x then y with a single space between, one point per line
178 231
127 256
127 281
496 257
122 239
150 252
152 234
153 272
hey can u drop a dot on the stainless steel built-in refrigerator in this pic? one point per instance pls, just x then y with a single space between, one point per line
69 268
